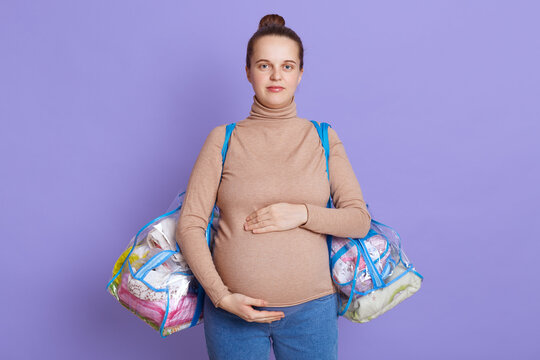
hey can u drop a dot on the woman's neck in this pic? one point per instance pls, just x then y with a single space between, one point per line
262 112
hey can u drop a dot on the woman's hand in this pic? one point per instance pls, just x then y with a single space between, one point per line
240 305
276 217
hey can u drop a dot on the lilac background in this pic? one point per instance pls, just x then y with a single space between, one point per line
105 105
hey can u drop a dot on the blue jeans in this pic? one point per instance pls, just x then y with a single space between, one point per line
308 331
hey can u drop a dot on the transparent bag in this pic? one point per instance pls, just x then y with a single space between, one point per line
372 274
151 277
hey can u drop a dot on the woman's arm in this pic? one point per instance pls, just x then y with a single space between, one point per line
195 212
350 218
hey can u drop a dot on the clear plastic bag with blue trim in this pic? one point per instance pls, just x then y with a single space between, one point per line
151 277
372 274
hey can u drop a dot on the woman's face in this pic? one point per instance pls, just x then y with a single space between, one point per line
274 63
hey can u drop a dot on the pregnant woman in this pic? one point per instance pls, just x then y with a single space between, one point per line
267 279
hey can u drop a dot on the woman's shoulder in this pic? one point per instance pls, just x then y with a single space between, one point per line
217 133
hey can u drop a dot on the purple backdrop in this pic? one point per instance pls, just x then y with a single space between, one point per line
105 106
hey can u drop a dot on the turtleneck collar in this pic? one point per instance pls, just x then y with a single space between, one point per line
261 112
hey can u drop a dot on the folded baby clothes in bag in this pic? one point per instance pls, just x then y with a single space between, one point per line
372 274
151 277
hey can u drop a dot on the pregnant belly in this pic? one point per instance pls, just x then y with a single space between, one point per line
277 266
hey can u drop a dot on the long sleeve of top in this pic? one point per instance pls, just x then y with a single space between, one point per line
350 218
274 156
195 214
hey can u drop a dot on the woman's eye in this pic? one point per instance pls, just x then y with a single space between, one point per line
266 66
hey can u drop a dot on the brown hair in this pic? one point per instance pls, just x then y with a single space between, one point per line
273 24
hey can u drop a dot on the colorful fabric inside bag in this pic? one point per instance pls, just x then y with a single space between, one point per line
372 274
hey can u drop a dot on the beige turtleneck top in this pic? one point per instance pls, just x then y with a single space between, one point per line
274 156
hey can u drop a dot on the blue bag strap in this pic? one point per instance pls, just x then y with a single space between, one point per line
228 131
201 293
322 130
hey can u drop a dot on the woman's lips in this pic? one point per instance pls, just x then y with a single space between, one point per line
274 88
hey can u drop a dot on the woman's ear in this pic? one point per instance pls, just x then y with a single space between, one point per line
300 77
247 74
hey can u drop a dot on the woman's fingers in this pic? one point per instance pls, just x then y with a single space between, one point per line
269 320
266 319
258 220
264 315
250 314
259 212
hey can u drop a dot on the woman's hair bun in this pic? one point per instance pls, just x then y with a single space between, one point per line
271 20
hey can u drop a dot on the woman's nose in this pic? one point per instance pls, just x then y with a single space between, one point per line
275 75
